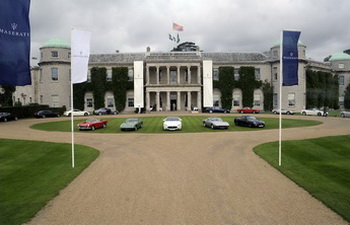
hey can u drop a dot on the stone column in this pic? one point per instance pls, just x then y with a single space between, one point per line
189 101
168 106
168 74
148 102
189 74
199 75
178 101
178 74
199 101
147 75
157 76
157 101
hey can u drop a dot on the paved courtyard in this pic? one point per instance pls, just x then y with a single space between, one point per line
197 178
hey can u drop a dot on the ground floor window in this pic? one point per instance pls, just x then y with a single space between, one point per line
236 100
110 102
89 103
341 101
291 99
55 101
130 102
257 100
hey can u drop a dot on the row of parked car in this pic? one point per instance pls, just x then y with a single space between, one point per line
173 123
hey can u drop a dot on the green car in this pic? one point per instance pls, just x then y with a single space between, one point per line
131 124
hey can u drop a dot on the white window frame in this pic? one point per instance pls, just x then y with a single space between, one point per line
54 74
291 99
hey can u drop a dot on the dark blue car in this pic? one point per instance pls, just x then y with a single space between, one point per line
217 110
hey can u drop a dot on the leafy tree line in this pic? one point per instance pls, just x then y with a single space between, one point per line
322 89
99 85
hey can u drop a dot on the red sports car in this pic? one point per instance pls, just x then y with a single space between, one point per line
248 110
92 124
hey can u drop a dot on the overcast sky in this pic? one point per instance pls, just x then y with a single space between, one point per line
214 25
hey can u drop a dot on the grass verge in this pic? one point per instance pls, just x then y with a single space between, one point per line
190 124
321 166
33 172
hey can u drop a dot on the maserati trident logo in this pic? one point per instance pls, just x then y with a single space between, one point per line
291 54
14 26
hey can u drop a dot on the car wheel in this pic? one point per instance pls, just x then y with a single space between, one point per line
135 128
288 113
240 111
212 127
204 125
93 128
275 112
44 116
100 113
211 111
319 114
5 119
304 113
16 118
342 115
85 114
104 125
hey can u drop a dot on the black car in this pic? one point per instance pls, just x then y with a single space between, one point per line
104 111
217 110
249 121
46 113
5 116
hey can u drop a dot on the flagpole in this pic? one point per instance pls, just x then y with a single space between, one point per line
72 120
280 104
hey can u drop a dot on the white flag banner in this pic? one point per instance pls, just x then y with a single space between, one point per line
80 44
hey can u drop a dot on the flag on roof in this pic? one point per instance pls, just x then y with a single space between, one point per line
178 27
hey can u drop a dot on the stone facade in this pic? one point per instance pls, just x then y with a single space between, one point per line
174 81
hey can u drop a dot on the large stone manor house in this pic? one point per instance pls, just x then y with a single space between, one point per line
175 80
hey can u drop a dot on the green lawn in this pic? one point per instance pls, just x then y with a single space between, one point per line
154 124
321 166
32 173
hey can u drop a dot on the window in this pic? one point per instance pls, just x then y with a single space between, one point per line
275 73
55 101
341 101
109 75
41 76
69 54
216 103
41 99
257 100
236 101
89 103
89 76
257 74
341 80
341 66
173 76
130 102
275 100
215 74
110 101
54 54
291 99
130 75
70 75
275 54
236 74
54 74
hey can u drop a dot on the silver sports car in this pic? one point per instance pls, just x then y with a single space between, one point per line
215 123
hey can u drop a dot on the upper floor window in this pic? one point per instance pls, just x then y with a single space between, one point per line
54 54
341 80
275 73
341 66
130 75
109 75
215 74
275 54
69 54
236 74
54 74
257 74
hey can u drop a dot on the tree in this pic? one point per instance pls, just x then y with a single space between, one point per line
267 89
226 85
248 84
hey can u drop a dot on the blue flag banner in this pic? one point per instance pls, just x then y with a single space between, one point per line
290 57
14 42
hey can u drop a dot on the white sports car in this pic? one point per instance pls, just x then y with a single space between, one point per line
345 114
313 112
172 123
76 112
283 111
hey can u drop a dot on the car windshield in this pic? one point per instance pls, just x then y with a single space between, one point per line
250 118
92 120
172 119
215 119
132 120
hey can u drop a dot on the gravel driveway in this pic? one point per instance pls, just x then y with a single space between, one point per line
197 178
